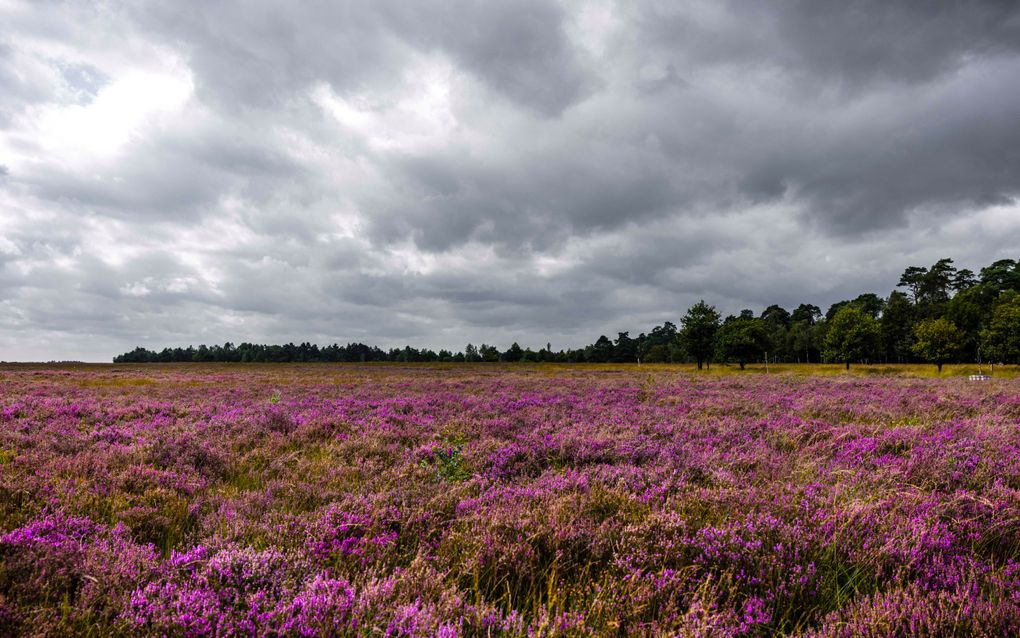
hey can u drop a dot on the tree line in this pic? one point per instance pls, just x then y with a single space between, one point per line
939 314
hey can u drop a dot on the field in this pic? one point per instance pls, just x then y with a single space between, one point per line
218 500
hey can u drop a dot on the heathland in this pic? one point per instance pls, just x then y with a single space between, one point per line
508 500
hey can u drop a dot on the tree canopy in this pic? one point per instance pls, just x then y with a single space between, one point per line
1000 341
937 341
902 327
852 335
697 332
742 339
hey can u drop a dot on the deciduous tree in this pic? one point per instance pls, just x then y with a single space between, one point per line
852 335
1000 341
697 331
741 339
937 341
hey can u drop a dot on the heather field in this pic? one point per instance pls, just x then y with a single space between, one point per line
390 500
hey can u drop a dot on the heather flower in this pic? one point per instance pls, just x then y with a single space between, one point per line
534 501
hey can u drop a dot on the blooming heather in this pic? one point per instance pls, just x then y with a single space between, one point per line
505 501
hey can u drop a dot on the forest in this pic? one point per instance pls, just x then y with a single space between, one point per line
939 314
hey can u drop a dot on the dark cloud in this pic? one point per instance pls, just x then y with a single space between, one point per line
829 43
443 172
518 49
526 201
257 53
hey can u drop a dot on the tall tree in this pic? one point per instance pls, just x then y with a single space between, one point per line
697 331
741 339
852 335
896 327
807 313
836 307
963 280
913 279
802 342
971 310
599 352
870 303
1000 341
660 345
939 281
513 353
625 350
937 341
488 353
931 288
1003 274
777 323
777 315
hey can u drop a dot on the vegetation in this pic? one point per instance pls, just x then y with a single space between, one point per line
742 339
551 500
697 337
851 335
937 341
1001 337
942 315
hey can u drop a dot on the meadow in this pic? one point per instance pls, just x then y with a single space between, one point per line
507 500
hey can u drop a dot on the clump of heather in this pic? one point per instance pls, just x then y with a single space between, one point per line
201 592
69 573
505 501
912 611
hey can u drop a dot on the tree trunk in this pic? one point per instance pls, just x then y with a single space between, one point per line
847 365
741 364
939 366
699 364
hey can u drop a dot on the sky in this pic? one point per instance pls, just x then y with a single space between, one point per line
437 173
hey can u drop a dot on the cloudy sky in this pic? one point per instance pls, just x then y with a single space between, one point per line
438 172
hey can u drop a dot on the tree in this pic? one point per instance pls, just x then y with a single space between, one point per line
870 303
697 331
897 328
660 344
964 279
970 310
930 287
1000 341
513 353
806 313
488 353
658 353
852 335
1003 274
937 341
742 339
939 281
625 350
599 352
836 307
776 315
913 279
801 340
777 323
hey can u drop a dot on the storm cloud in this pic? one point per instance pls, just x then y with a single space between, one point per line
435 172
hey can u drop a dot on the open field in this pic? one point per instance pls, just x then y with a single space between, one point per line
302 500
